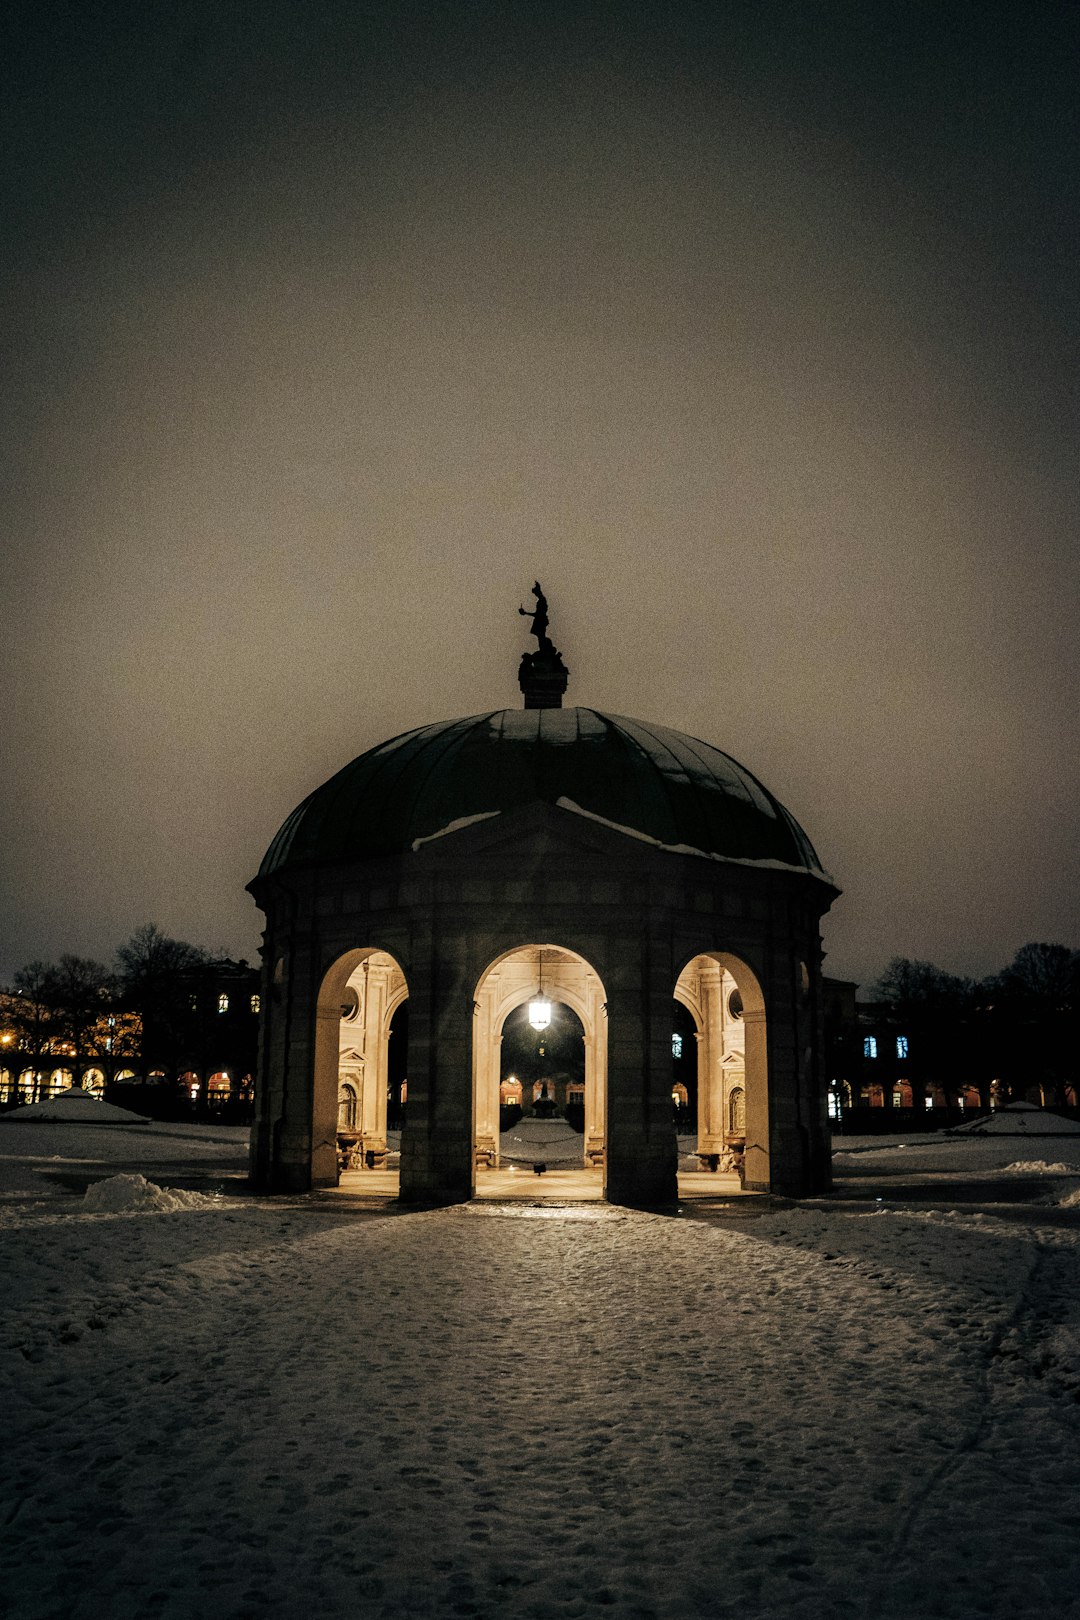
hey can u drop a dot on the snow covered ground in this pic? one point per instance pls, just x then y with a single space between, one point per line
853 1407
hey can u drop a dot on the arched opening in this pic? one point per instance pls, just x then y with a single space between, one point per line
360 1070
60 1080
218 1089
93 1080
544 1069
348 1113
539 1046
511 1093
727 1048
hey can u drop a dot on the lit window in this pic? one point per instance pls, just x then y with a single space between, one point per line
869 1046
901 1046
676 1046
222 1003
256 1004
929 1102
834 1105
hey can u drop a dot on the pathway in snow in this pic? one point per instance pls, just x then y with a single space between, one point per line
253 1409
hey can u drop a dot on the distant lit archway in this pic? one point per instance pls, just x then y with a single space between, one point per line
219 1089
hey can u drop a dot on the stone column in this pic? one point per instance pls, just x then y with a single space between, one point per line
788 1139
712 1127
596 1052
266 1076
642 1158
702 1072
302 1137
373 1106
437 1143
816 1082
757 1086
324 1108
485 1067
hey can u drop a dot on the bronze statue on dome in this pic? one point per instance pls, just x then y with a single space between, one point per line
539 617
542 675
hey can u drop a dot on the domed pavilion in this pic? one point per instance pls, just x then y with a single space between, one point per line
576 862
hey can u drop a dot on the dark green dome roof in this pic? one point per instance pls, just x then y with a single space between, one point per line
645 780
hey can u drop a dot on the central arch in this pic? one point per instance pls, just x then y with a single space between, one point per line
517 977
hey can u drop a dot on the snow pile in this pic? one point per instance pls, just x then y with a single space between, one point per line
125 1194
1039 1167
1021 1119
77 1107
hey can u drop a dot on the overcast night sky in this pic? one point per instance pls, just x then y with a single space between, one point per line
750 330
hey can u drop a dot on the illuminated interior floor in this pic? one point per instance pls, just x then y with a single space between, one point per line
370 1183
710 1184
571 1186
579 1186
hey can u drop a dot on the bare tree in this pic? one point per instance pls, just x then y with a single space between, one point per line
155 978
80 991
33 1015
934 1009
1037 1013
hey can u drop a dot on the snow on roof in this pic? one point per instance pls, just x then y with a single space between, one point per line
688 849
457 825
76 1107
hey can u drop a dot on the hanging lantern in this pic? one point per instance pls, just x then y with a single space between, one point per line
540 1006
539 1012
